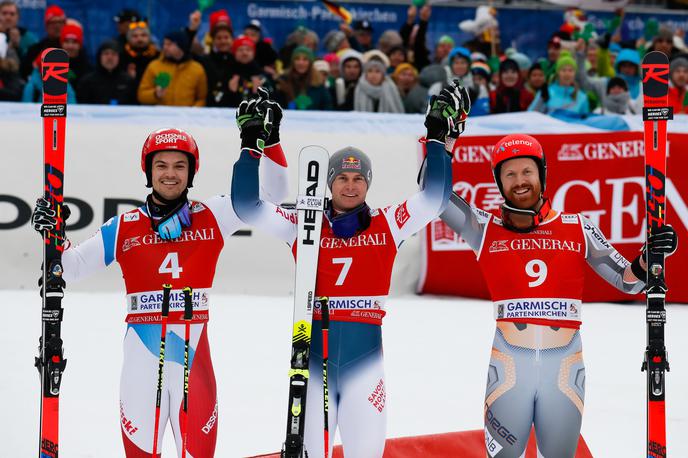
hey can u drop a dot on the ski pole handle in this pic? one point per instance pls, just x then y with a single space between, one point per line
166 289
188 304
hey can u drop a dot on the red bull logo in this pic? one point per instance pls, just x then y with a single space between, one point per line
351 162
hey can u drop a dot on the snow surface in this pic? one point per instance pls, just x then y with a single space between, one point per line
436 352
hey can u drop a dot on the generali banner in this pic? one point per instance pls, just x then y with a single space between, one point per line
600 175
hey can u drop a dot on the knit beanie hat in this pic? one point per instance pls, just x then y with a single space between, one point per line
53 12
349 54
445 39
508 64
481 68
403 67
333 39
321 66
72 32
460 51
349 159
565 58
616 81
302 50
242 40
374 63
376 54
678 62
180 38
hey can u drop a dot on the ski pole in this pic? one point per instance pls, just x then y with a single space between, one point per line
188 316
326 403
161 362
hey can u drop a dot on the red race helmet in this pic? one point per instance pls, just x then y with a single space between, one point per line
518 145
169 139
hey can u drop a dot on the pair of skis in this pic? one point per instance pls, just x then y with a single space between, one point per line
310 204
656 113
188 316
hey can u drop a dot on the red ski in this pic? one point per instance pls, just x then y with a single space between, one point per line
656 112
50 361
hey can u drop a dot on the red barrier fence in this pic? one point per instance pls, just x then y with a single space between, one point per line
600 175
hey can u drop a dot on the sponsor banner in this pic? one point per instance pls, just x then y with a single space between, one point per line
151 301
599 175
365 309
540 308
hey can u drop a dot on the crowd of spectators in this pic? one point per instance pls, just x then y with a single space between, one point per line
578 74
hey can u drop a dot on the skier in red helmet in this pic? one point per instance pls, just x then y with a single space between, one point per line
168 240
533 259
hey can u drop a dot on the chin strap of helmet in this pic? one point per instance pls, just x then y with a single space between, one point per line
508 212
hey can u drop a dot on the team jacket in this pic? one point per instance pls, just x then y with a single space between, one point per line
353 273
538 277
148 262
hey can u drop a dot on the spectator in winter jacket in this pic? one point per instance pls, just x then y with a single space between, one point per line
54 20
626 66
564 95
301 86
138 52
10 82
510 95
375 91
458 68
107 84
174 78
219 64
350 70
413 95
18 38
33 90
247 75
536 78
266 56
72 41
617 100
678 77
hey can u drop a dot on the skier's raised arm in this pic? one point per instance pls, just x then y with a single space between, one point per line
445 121
259 120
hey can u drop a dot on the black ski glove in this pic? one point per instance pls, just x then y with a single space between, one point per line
662 241
255 123
277 113
44 218
447 112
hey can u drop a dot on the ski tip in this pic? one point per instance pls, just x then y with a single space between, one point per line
313 149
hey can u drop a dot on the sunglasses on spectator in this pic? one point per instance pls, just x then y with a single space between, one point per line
137 25
664 40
